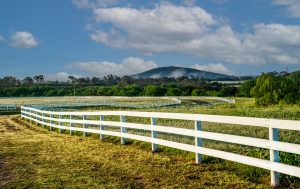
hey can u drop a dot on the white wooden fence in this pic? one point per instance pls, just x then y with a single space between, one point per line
272 144
7 107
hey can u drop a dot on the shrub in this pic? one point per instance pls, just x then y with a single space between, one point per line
272 89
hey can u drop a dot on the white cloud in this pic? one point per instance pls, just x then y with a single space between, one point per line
272 43
129 66
23 39
192 30
82 3
160 29
293 6
60 76
216 68
1 38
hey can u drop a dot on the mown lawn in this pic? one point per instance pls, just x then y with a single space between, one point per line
20 101
32 157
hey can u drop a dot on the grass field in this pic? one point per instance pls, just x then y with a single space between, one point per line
241 107
32 157
134 166
19 101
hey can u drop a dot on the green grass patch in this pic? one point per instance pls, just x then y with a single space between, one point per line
175 168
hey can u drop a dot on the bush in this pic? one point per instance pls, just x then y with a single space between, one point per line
198 92
173 92
130 90
245 89
152 90
228 91
272 89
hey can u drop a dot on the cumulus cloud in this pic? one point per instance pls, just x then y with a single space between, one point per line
270 43
216 68
161 29
192 30
128 66
23 39
293 6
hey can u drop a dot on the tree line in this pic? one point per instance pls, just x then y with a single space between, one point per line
111 85
268 88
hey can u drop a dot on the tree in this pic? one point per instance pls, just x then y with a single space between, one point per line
130 90
295 76
39 78
152 90
198 92
95 80
9 81
245 89
228 91
72 78
28 81
126 80
173 92
274 89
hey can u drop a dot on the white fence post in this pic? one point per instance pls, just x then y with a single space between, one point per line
123 129
274 155
198 141
31 116
30 111
84 126
36 118
101 127
272 144
26 113
60 124
71 124
51 122
43 120
153 134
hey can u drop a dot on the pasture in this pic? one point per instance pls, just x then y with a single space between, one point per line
20 101
180 171
32 157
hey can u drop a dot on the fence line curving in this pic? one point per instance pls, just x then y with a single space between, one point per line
55 119
108 101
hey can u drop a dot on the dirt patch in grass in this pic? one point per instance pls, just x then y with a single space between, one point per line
10 127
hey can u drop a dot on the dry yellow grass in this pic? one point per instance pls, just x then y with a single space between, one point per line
32 157
79 99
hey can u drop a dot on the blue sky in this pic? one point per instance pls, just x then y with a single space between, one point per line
59 38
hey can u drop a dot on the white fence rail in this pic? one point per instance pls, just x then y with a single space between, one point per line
272 144
7 107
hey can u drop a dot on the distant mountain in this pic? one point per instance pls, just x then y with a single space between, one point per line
173 71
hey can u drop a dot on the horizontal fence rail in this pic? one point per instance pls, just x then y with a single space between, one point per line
108 101
55 119
171 102
7 107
